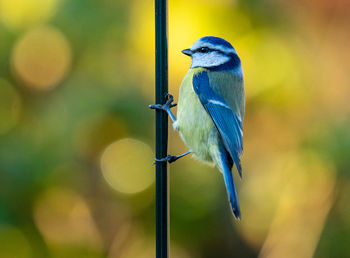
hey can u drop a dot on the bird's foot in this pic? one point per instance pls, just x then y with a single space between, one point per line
169 159
168 104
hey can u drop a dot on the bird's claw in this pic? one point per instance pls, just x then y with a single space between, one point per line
156 106
168 104
169 159
170 101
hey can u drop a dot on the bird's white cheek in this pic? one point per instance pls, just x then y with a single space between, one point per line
208 60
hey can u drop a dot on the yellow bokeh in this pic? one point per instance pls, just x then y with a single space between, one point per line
41 58
127 166
302 211
131 242
185 28
286 201
64 218
96 132
25 13
13 243
268 62
10 106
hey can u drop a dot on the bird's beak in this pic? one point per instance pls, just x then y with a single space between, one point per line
187 52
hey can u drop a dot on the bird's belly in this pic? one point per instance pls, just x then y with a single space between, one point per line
195 126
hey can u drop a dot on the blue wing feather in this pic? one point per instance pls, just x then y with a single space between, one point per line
226 162
226 121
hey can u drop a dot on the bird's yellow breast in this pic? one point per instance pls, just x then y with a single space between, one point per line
193 122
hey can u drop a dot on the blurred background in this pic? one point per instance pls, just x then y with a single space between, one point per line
77 138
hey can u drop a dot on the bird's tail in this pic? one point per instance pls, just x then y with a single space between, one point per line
226 164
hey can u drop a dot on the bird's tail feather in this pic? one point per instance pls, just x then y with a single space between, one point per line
227 164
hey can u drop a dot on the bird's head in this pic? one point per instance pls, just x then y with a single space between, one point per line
211 52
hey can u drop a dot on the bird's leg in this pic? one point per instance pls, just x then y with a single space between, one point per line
166 107
172 158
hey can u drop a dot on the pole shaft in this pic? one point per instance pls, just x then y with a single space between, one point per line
162 183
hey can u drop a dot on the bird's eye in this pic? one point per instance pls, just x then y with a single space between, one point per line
203 49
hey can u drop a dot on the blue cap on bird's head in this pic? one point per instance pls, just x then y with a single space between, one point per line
210 52
215 41
212 43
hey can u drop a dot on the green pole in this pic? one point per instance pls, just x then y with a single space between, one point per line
161 88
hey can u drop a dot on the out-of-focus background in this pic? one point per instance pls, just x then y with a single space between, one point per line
77 138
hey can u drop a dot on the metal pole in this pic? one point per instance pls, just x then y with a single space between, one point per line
162 182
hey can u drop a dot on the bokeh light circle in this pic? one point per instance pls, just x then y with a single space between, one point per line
10 106
17 14
13 243
63 217
126 165
41 58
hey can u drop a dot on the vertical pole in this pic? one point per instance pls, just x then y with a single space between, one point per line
162 183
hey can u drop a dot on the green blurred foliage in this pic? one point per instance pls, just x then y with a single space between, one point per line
75 81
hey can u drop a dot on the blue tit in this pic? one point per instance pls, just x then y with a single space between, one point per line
211 109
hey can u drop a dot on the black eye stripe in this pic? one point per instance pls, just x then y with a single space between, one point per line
203 50
207 49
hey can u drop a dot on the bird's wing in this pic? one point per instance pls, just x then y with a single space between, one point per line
226 121
226 163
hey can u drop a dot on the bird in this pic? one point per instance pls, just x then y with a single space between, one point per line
211 108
